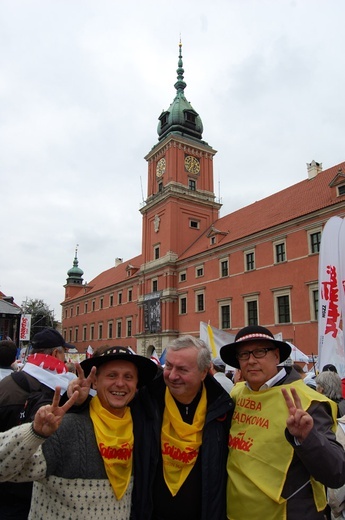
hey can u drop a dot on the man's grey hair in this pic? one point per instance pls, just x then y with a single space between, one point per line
187 341
330 382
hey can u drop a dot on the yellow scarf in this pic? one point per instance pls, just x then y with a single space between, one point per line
180 441
260 456
115 440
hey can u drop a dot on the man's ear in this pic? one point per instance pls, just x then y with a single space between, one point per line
55 352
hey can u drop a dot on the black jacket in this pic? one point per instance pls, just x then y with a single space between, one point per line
214 450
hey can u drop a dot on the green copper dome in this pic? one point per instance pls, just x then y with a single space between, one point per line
180 118
75 273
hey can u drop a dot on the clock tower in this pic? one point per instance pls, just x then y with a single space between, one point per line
180 203
180 207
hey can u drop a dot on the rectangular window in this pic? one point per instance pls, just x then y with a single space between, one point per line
225 316
76 334
111 300
93 305
84 332
252 312
192 184
183 277
156 252
92 332
194 224
316 304
101 303
315 241
100 331
129 328
249 261
85 307
130 295
110 330
341 190
183 305
70 336
77 310
224 268
200 304
71 312
199 271
154 285
280 255
119 298
283 309
118 329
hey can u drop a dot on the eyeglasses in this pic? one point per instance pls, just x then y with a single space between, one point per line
257 353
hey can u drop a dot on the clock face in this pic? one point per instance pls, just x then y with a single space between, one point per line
192 164
160 168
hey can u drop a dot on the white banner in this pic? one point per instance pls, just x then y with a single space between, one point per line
25 326
330 335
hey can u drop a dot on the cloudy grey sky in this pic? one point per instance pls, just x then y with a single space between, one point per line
83 82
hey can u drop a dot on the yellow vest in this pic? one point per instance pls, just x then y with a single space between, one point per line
260 455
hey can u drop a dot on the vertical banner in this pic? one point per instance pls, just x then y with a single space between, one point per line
25 326
152 312
330 335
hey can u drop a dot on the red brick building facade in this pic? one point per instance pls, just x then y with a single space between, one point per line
256 265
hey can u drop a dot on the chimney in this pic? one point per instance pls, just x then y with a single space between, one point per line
314 168
118 261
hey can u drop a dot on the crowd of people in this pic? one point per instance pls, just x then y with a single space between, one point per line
122 440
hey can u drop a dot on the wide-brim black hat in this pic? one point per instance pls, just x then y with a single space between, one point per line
147 369
247 335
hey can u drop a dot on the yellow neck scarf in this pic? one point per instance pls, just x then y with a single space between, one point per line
180 441
115 440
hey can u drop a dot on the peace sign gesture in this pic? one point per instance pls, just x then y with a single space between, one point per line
48 418
299 423
81 384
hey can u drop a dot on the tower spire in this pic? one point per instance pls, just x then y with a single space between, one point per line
180 84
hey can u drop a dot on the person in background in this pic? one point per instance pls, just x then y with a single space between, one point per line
238 378
94 464
336 497
8 353
217 370
21 394
328 383
282 446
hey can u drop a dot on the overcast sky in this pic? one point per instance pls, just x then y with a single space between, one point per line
83 82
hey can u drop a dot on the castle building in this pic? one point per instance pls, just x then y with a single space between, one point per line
257 265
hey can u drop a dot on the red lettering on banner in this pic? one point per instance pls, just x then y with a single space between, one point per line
177 454
240 443
122 453
329 292
23 327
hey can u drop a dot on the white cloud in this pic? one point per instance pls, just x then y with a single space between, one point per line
84 82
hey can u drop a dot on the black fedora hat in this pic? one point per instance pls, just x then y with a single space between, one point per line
247 335
147 369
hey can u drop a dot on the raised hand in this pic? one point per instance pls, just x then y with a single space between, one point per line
81 384
299 423
48 418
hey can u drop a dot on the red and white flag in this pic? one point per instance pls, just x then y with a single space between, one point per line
89 352
331 340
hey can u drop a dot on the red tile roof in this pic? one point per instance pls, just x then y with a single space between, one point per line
300 199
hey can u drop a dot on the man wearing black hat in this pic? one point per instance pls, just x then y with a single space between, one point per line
21 394
281 456
96 463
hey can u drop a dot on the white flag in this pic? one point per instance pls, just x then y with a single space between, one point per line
331 341
214 338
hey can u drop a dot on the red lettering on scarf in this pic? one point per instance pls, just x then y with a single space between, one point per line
329 292
240 443
177 454
110 452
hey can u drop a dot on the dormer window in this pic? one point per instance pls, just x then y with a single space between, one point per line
190 117
164 119
341 190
